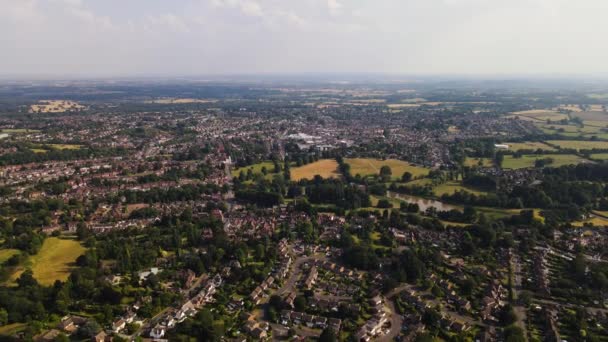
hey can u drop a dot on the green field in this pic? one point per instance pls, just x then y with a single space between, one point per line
600 156
453 186
485 162
6 254
593 116
528 160
19 130
579 144
539 115
529 145
369 167
595 221
326 168
53 262
256 169
11 329
65 146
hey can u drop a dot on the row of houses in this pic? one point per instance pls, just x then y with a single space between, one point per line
258 293
319 322
188 309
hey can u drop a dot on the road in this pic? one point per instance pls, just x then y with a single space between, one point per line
290 283
434 302
396 323
518 307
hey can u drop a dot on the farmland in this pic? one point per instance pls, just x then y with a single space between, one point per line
326 168
53 262
368 167
579 144
528 160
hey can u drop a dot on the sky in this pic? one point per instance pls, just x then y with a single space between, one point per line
210 37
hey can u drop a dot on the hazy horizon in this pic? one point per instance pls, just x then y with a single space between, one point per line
156 38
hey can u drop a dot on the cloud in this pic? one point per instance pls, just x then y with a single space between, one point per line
334 6
231 36
247 7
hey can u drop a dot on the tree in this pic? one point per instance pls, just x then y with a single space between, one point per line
3 317
328 335
299 303
407 176
385 172
514 333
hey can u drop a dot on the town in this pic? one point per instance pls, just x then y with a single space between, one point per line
282 212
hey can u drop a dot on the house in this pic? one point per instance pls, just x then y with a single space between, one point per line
69 324
49 336
158 332
376 301
119 325
259 334
101 337
320 322
308 320
335 324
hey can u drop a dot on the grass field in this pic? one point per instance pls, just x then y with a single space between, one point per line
529 145
596 221
6 254
19 130
38 150
597 96
54 261
593 116
256 169
55 106
485 162
65 146
326 168
453 186
540 115
600 156
11 329
579 144
528 160
180 101
368 167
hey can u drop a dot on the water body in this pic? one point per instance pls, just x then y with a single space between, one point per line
423 203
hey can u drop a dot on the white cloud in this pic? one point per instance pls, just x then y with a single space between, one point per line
200 36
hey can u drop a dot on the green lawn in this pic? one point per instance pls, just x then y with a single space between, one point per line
528 160
529 145
53 262
326 168
11 329
453 186
369 166
6 254
485 162
599 156
579 144
256 169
